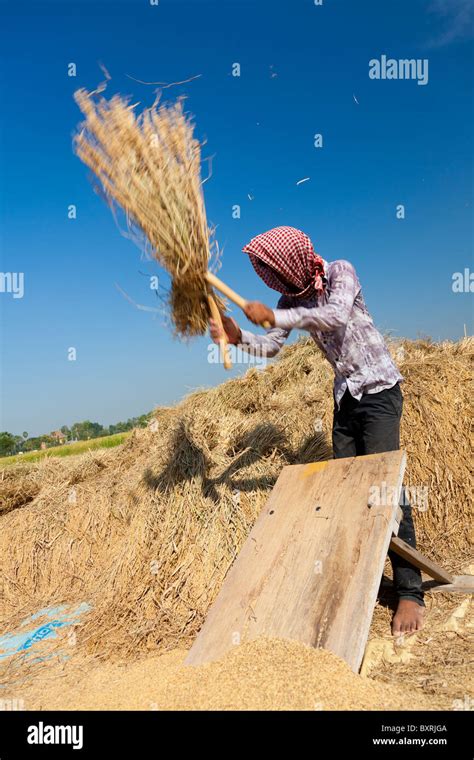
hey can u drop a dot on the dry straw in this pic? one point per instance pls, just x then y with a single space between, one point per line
150 165
155 523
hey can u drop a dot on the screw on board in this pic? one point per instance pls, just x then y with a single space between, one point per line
322 517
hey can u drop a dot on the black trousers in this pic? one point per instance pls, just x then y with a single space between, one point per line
372 426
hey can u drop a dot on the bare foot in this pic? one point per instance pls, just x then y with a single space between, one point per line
408 617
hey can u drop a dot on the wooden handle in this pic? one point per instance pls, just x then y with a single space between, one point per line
223 343
231 294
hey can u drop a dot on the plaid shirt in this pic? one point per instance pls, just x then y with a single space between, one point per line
341 326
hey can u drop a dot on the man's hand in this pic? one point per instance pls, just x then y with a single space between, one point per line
258 313
232 330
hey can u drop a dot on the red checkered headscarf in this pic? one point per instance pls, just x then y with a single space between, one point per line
284 258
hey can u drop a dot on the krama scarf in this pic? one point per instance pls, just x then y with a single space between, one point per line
285 252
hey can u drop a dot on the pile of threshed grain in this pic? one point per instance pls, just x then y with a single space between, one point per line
146 532
266 674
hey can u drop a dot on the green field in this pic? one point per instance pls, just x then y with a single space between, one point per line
69 449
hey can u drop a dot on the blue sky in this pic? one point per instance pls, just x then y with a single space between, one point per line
301 66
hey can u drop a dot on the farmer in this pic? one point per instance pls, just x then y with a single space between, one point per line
325 298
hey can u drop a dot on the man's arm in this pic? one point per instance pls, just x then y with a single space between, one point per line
264 345
334 314
258 345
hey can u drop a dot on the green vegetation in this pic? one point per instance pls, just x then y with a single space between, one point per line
67 450
80 431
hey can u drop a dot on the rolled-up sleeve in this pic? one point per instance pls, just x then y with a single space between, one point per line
334 313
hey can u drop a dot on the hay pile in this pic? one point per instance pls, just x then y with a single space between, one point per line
145 532
266 674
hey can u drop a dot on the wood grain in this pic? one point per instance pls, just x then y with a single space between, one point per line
311 566
432 569
462 584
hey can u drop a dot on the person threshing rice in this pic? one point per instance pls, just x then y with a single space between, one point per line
325 298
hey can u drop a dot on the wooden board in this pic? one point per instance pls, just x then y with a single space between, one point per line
462 584
432 569
311 566
397 521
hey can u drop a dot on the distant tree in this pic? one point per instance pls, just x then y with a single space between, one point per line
66 432
87 429
81 431
19 441
132 422
7 444
32 443
119 427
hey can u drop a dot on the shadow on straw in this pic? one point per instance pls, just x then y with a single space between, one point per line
189 462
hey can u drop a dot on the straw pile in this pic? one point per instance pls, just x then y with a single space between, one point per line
146 532
150 165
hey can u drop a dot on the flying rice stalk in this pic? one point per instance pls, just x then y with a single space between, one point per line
149 164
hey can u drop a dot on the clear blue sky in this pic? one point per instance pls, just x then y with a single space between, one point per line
401 143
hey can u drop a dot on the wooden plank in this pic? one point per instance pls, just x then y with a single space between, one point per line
397 521
462 584
311 566
416 558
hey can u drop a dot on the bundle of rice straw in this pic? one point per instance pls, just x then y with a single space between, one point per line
150 165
